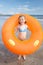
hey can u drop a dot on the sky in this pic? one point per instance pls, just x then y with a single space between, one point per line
21 6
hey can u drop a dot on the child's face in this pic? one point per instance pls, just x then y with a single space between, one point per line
22 20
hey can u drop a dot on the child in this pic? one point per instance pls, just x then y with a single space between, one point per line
22 28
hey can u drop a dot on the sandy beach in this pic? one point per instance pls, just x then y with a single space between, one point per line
7 58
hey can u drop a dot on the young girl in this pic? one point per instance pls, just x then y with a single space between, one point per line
22 28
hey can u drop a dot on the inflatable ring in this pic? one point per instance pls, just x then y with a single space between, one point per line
17 46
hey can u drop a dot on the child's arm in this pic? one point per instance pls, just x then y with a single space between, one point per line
27 27
16 29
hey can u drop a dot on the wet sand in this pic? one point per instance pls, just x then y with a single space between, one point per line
7 58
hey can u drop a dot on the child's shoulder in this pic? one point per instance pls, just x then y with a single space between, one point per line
18 26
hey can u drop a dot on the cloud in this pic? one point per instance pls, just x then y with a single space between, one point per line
1 5
36 11
22 9
17 9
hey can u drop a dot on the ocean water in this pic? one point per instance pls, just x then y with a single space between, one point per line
3 19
